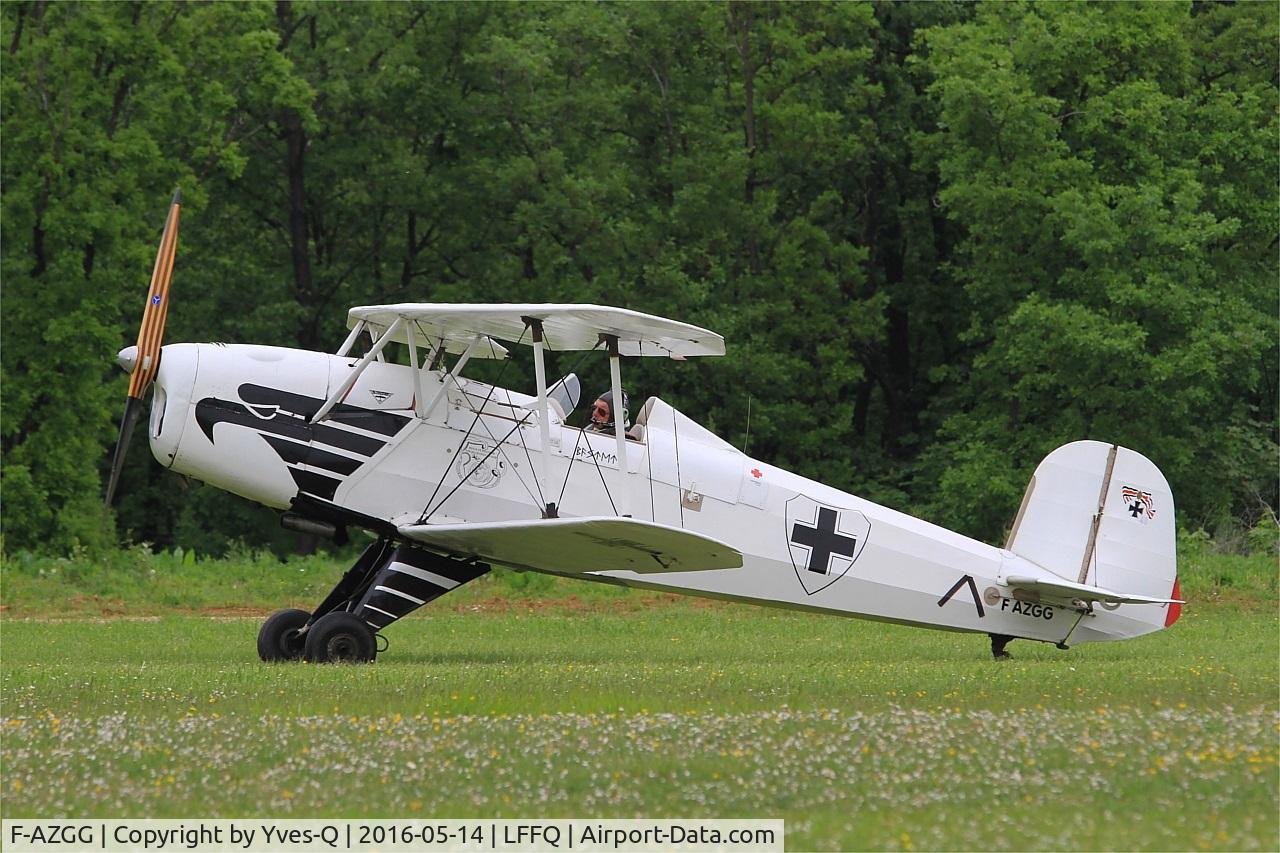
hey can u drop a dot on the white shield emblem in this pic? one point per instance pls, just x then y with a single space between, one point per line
480 464
823 541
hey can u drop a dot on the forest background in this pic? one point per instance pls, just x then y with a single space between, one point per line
940 238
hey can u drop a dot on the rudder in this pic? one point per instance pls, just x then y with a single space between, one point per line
1102 515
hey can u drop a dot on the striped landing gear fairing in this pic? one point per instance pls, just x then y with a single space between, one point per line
388 581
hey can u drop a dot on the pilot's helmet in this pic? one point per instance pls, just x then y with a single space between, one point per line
607 397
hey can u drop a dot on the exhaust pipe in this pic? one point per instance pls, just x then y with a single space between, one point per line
312 527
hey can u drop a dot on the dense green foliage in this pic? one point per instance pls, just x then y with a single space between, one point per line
940 239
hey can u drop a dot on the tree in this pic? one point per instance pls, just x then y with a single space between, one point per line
1113 290
940 239
108 108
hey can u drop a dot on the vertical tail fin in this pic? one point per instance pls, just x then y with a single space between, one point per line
1102 515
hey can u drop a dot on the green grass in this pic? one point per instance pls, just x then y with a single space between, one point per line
130 687
860 735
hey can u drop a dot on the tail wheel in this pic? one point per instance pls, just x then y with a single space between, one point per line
340 637
280 637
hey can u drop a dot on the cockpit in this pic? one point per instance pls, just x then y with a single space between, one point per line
432 389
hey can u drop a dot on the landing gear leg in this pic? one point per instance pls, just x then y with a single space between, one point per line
998 642
387 582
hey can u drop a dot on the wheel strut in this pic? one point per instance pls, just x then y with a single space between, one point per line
386 583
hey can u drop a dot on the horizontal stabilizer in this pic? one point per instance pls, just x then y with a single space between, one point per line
1067 592
577 545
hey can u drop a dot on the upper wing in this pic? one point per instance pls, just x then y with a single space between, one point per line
565 327
592 544
1067 592
453 341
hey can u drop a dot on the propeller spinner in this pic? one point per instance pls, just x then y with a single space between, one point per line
143 360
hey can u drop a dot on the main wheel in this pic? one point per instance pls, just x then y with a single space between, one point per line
278 639
340 637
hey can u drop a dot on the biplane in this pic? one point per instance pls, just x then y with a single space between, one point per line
453 476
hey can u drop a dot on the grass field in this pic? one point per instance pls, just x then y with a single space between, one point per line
506 701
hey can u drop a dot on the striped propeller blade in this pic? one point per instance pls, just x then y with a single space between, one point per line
150 339
151 334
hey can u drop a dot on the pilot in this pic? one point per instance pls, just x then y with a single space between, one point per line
602 413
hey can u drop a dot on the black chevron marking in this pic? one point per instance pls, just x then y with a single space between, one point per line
973 588
302 454
316 484
290 451
260 395
382 607
454 570
289 433
373 420
211 411
380 422
344 440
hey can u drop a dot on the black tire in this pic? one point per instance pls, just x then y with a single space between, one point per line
340 637
278 639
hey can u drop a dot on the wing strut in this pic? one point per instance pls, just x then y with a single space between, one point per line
417 370
615 379
350 381
451 376
544 425
356 331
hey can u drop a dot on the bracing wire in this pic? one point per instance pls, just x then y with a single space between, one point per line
607 494
569 469
428 511
512 405
542 501
527 490
483 460
425 514
573 457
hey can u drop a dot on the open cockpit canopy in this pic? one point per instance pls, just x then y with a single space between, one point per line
564 327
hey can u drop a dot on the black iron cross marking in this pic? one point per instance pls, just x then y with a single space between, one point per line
823 541
1135 508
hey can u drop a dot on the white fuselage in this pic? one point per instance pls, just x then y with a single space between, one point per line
233 416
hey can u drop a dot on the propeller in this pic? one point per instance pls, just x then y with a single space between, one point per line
143 361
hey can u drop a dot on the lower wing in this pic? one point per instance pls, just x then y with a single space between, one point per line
577 545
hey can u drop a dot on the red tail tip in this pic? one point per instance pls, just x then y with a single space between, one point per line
1175 610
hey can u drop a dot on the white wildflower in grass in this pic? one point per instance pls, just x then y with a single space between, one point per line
921 743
